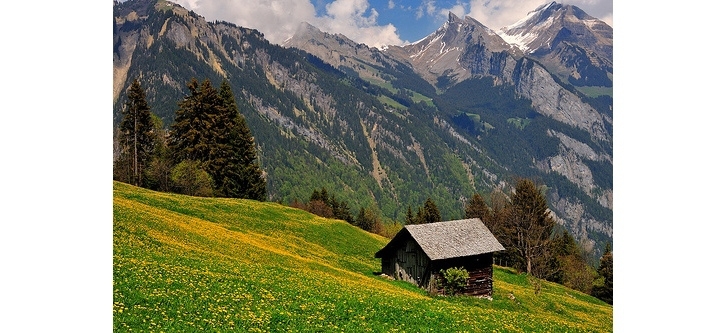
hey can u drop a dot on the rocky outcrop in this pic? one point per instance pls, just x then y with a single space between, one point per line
458 50
369 116
553 100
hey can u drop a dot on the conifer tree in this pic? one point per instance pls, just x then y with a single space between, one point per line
343 212
137 136
431 213
476 208
191 137
315 195
605 291
420 216
366 219
209 128
409 218
325 196
529 226
241 175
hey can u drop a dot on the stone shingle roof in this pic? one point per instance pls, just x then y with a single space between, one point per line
450 239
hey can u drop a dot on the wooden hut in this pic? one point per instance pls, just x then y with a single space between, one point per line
417 253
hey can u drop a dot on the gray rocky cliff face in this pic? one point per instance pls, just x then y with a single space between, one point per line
339 51
457 51
461 49
551 99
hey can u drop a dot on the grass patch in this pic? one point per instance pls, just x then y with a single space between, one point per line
596 91
204 264
520 123
389 101
417 97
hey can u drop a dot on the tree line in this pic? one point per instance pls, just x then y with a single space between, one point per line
323 204
209 150
523 224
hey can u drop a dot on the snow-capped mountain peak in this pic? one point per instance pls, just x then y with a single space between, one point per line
528 29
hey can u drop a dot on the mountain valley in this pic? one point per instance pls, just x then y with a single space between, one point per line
466 109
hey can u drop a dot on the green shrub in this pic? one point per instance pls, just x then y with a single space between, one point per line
188 177
454 280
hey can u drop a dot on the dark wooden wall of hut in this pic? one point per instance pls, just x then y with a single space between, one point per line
408 263
480 271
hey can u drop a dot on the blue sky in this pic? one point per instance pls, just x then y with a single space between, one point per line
374 22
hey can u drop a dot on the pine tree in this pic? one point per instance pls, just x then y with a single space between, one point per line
315 195
191 137
325 196
476 208
367 219
343 212
529 227
209 128
431 213
420 216
409 218
605 291
241 176
136 136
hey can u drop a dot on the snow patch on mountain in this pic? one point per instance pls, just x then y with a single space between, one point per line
519 33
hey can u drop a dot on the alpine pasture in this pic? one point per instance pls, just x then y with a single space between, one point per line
190 264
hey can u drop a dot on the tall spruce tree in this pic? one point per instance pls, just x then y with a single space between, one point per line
529 227
476 207
192 137
136 139
605 291
409 218
342 211
209 128
430 212
367 219
241 175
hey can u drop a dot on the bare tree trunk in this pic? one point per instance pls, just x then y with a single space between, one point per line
136 171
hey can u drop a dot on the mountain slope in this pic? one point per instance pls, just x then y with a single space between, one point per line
462 49
455 52
362 123
570 43
201 264
485 87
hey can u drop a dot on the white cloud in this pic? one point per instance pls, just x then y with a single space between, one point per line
497 14
608 18
357 19
354 19
279 19
458 9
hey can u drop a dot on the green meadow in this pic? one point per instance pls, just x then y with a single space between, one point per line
188 264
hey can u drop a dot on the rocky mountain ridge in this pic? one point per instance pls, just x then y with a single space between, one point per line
364 123
574 46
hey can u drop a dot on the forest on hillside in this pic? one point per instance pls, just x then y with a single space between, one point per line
210 151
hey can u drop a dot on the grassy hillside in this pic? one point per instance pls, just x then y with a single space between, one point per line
203 264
